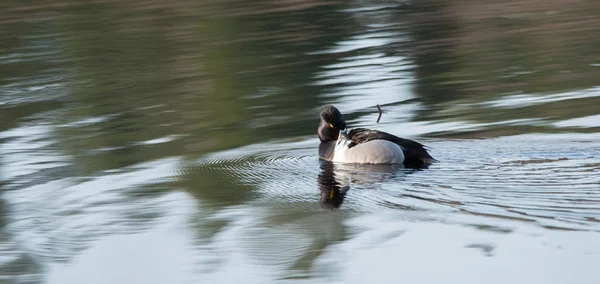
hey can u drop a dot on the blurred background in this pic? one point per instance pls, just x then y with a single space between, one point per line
152 141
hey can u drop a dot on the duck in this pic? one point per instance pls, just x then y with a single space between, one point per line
366 146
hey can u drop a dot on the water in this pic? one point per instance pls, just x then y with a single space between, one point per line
151 142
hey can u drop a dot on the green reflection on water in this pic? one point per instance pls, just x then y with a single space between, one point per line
221 74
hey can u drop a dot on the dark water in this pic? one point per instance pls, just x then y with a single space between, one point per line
158 142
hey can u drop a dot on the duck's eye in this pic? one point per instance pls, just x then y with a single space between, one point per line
330 125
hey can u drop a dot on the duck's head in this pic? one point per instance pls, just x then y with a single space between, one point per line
332 124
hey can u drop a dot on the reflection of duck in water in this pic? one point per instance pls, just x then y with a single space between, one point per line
335 179
366 146
333 189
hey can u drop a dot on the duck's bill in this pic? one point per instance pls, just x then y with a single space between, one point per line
344 134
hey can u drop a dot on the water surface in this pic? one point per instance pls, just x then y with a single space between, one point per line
150 142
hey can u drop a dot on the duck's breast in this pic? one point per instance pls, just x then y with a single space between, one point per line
372 152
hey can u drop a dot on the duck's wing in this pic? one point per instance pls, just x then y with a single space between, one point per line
415 154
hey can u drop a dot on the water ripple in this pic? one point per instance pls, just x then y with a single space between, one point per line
507 178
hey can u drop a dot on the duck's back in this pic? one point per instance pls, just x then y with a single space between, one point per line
415 154
371 152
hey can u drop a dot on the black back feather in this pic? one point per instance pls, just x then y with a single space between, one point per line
415 154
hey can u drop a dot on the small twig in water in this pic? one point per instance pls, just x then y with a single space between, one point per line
379 117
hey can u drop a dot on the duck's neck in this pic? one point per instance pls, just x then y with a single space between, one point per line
326 149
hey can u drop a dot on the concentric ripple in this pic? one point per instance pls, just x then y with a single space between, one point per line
286 170
551 181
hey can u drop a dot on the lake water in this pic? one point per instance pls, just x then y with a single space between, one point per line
155 142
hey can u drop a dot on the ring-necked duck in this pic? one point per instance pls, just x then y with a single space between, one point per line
366 146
